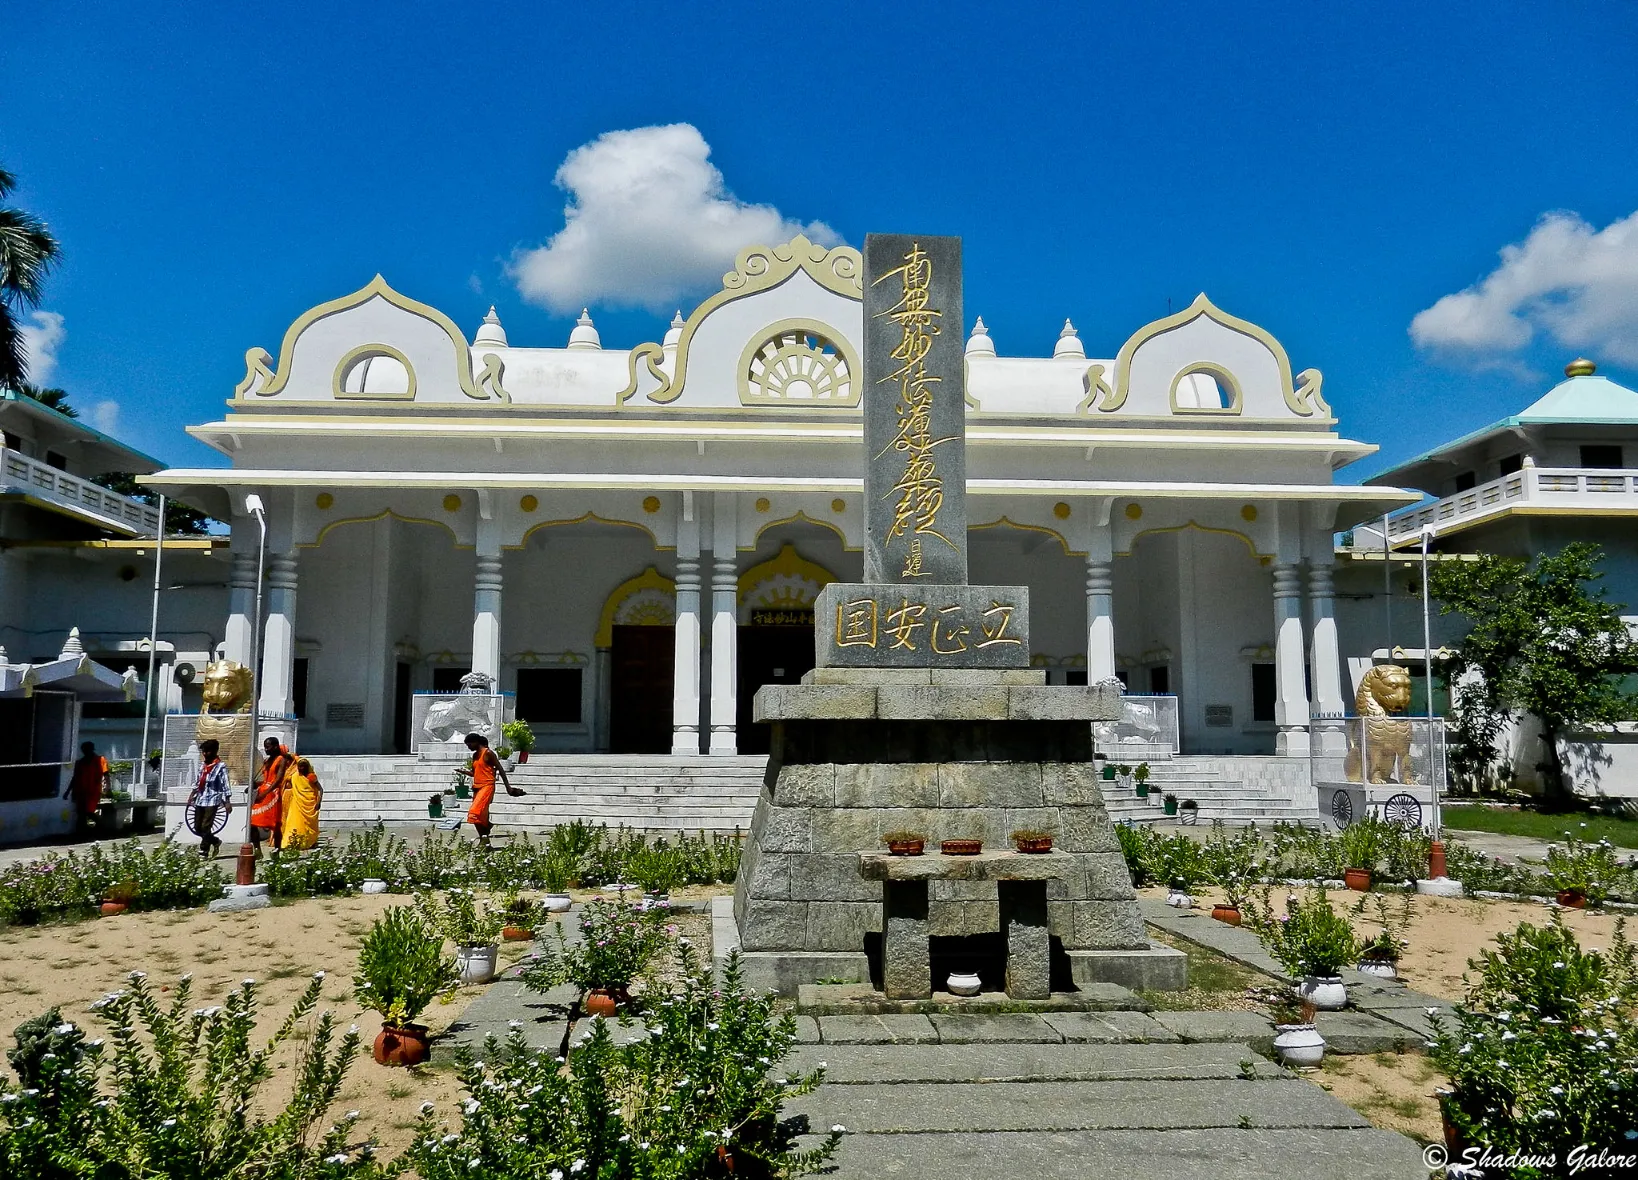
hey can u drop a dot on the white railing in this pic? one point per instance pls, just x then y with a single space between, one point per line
1550 487
20 473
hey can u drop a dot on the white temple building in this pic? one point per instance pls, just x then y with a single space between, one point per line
631 541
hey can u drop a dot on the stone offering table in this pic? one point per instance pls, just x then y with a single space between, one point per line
1021 896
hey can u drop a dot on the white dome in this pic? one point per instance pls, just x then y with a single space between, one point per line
584 335
979 343
1069 345
490 332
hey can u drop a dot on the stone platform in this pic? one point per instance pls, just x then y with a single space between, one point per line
973 754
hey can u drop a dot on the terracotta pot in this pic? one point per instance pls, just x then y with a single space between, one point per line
1041 844
406 1045
110 908
906 847
961 847
1224 912
1358 880
517 933
1572 899
523 756
600 1002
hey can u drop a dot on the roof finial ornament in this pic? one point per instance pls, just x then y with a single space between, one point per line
1580 367
673 334
490 332
584 334
1069 344
73 648
979 343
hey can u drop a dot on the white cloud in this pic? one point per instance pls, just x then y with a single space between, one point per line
43 334
105 416
1577 283
648 221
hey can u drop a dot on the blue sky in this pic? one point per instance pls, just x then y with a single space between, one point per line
213 170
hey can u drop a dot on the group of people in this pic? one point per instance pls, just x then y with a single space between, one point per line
284 805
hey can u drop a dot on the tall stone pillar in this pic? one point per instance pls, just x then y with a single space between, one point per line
1291 690
724 626
279 638
685 699
1325 661
241 621
1100 597
486 616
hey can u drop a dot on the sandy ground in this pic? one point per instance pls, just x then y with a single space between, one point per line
76 965
1393 1090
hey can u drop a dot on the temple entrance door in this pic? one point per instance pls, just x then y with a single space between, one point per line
768 655
642 666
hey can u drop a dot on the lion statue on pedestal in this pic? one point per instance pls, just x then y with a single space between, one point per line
1386 740
225 716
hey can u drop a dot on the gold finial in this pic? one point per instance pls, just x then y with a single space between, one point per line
1580 367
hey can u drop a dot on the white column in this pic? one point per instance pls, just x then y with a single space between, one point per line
724 625
1291 700
486 617
241 626
1325 661
279 638
685 698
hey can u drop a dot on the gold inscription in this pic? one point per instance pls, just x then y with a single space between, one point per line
948 639
903 623
856 623
994 625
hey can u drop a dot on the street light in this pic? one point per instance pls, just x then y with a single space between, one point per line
253 505
1436 849
153 646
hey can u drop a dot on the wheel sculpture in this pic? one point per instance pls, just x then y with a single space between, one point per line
1402 810
218 821
1342 808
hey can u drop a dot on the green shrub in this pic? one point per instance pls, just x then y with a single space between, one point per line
617 944
1310 938
401 967
699 1096
1591 869
165 876
1362 843
459 916
1133 846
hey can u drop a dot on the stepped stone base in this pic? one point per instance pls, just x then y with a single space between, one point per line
858 753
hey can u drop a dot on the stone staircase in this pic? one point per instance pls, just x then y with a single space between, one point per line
1236 790
651 792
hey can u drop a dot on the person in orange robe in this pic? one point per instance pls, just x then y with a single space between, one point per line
88 781
485 766
267 808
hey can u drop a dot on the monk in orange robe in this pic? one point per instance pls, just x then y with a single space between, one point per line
88 781
485 767
267 807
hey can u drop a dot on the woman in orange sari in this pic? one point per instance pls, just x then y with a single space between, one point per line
485 766
303 796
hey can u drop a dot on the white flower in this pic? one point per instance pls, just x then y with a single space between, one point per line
576 1166
839 1129
426 1108
168 1123
318 976
352 1115
339 1158
62 1030
554 1174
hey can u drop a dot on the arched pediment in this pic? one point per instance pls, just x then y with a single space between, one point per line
375 346
1203 361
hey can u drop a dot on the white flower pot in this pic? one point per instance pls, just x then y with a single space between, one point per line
1326 992
557 903
1180 900
1379 968
963 983
1299 1046
476 963
373 885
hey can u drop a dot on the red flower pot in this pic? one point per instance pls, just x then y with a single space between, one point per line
1572 899
517 933
1042 844
961 847
600 1002
906 847
1357 879
406 1045
523 756
110 908
1224 912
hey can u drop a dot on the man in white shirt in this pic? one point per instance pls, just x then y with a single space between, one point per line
209 794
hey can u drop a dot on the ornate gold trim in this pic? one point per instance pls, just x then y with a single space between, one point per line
757 268
787 562
803 517
850 358
382 515
582 519
1008 522
1217 373
363 350
1193 524
256 359
649 579
1304 405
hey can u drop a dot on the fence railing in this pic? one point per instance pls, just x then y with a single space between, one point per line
1565 487
19 472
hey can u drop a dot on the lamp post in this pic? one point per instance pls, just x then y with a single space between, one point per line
1436 849
253 505
153 643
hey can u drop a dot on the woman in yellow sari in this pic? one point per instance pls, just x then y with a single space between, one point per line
303 795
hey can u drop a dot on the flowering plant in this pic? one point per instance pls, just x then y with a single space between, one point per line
1589 869
459 916
617 943
1310 938
401 967
1389 940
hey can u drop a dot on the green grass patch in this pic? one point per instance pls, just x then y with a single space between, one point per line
1215 981
1539 825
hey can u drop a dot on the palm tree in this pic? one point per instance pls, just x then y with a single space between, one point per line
27 251
57 399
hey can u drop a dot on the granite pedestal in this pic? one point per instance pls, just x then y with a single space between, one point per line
974 754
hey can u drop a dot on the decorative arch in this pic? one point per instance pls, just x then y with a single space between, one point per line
1225 381
1009 523
801 517
648 600
786 581
584 518
1204 528
384 514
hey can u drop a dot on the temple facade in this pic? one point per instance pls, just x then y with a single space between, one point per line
632 541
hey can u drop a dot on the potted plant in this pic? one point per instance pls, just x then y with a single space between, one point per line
961 847
1141 774
521 916
1582 872
1170 804
1361 843
1109 769
1189 812
1297 1043
506 754
556 871
905 843
1177 894
401 969
1228 911
1313 943
463 781
617 943
471 925
1032 840
520 737
435 806
118 898
1379 954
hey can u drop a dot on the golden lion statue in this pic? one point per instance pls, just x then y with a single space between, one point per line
226 717
1384 690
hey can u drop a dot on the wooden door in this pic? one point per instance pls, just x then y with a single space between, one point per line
642 666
